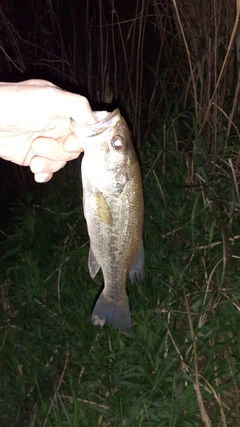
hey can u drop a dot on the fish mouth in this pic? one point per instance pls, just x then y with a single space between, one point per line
106 119
106 116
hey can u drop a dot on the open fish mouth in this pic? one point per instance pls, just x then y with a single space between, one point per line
110 118
113 208
106 120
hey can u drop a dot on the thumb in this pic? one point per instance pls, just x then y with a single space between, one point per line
76 106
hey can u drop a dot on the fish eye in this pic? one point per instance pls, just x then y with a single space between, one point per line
117 142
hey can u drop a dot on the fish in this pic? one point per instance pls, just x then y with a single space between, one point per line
113 207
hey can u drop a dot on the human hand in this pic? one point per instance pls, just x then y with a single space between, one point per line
35 125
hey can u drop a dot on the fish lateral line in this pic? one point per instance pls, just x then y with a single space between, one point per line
113 208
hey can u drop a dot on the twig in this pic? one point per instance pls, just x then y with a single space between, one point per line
205 417
58 386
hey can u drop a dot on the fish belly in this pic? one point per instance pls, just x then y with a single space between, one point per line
115 232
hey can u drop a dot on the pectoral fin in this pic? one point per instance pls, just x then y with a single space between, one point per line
137 269
93 264
103 210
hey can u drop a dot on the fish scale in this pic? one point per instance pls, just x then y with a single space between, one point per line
113 208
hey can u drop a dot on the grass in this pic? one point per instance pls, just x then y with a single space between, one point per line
180 365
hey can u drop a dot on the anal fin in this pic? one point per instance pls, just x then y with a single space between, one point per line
93 264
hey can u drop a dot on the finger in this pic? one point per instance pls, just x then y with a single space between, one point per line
75 106
40 165
72 144
65 104
48 147
42 177
36 82
52 149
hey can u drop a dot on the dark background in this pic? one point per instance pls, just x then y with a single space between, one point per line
129 54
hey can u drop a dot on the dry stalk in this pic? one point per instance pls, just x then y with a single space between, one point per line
184 366
89 402
90 351
229 47
234 177
235 100
58 386
125 61
152 166
204 415
160 188
162 19
218 399
189 60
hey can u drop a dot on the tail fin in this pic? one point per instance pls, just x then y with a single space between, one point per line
112 312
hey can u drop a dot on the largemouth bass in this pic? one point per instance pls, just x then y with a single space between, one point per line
113 208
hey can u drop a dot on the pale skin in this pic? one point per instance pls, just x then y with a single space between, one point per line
35 125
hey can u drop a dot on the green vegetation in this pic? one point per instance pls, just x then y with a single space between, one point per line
180 365
173 67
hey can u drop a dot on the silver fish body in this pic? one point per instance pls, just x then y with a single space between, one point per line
113 208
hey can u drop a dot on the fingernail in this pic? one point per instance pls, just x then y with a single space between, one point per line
39 177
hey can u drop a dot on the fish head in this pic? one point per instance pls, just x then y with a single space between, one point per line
108 152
